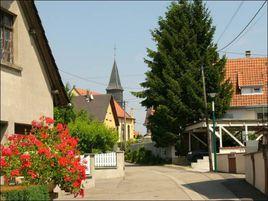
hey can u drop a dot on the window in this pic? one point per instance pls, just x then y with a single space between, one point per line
251 90
22 128
6 37
262 116
128 131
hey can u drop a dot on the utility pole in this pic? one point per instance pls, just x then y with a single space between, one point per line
206 114
124 107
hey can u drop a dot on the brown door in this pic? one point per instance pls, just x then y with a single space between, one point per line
232 163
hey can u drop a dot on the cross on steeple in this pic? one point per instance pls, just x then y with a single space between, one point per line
114 51
114 86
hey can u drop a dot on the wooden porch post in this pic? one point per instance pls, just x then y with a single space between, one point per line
190 143
220 132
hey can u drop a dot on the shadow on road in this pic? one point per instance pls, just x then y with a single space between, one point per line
239 187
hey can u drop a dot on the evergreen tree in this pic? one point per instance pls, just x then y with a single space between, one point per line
173 85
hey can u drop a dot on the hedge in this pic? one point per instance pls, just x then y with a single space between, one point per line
143 156
23 193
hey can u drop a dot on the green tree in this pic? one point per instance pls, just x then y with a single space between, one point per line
93 136
173 86
65 114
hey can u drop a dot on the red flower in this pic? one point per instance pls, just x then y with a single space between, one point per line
76 184
44 135
25 157
6 151
15 173
63 161
26 164
3 162
60 127
32 174
36 124
66 178
49 120
44 151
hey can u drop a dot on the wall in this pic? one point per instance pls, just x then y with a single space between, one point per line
227 150
259 170
109 120
27 91
240 114
129 122
223 162
108 173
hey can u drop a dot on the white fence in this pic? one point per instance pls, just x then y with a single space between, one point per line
105 160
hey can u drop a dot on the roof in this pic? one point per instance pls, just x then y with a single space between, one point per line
50 66
82 92
248 72
114 82
120 111
96 108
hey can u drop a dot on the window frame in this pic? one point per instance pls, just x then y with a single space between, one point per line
7 52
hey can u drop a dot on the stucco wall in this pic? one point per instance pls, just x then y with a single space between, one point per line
25 94
259 171
240 163
223 163
108 173
129 122
109 120
240 114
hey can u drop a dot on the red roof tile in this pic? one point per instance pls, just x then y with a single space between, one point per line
120 111
248 72
84 92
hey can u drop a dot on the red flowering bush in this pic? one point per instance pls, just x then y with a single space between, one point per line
46 155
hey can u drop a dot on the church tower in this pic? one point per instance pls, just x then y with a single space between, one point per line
114 87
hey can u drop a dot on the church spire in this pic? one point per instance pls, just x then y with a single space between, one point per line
114 87
114 82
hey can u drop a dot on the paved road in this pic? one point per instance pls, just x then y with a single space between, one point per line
160 183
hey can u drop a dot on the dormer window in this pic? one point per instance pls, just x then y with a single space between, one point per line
251 90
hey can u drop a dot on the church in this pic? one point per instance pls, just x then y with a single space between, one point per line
116 90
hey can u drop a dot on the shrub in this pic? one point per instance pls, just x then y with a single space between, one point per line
46 155
143 156
93 136
23 193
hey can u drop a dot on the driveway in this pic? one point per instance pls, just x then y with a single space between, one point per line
164 183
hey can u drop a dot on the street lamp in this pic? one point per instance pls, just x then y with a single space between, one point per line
212 95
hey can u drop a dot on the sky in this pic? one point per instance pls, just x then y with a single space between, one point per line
83 34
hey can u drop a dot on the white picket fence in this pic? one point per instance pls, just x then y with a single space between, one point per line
105 160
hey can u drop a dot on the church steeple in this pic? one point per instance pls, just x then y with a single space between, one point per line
114 87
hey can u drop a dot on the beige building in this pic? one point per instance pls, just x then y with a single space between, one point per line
130 124
30 82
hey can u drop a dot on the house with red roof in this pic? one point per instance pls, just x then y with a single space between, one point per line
244 120
249 77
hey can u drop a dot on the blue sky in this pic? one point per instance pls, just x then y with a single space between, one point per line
82 36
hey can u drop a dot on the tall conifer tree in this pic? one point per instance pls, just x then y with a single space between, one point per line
173 85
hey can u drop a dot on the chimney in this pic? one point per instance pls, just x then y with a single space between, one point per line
248 53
